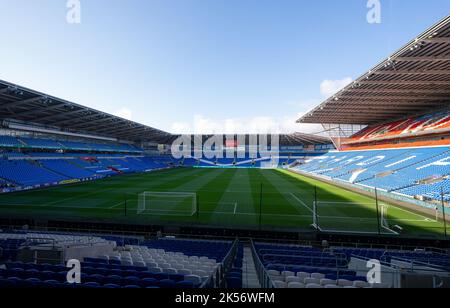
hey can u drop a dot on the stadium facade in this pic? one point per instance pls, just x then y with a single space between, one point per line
402 106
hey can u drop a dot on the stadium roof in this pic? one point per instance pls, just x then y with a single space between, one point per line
29 106
305 139
414 80
294 139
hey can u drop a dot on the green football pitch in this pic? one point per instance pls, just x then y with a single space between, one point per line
228 198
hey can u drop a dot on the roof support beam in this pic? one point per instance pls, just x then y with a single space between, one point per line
413 72
18 103
383 102
88 124
382 91
4 90
107 128
395 98
403 82
34 111
369 114
63 114
376 108
423 58
84 118
437 40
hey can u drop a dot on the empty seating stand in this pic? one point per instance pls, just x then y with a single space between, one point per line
44 169
306 267
417 172
24 142
182 265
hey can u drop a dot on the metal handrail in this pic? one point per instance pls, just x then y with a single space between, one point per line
222 269
420 263
264 240
263 276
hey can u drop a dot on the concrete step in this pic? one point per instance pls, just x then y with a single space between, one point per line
249 276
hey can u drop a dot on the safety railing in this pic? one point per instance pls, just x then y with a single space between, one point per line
263 276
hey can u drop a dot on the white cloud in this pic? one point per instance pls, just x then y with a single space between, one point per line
252 125
331 87
124 113
181 128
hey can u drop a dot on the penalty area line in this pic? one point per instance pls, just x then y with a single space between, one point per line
116 205
302 203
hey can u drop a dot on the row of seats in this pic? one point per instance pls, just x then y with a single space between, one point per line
90 277
425 257
28 173
216 250
300 280
234 275
414 125
57 239
292 266
149 283
40 143
160 261
184 263
49 171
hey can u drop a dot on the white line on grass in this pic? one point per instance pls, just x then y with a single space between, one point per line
255 214
371 219
353 232
235 208
423 218
409 212
116 205
390 230
58 202
302 203
349 203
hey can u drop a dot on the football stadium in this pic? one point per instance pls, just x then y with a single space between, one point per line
93 200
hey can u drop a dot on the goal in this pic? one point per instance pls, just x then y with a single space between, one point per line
352 217
167 203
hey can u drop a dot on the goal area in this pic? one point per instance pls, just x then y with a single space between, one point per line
351 217
167 203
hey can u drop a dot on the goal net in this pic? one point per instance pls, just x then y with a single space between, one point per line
167 203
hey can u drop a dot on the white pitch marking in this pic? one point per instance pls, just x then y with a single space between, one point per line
302 203
115 205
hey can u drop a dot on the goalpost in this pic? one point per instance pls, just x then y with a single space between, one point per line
384 218
384 222
167 203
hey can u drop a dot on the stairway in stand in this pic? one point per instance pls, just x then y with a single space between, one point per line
249 276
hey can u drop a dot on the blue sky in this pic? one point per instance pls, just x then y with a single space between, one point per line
203 65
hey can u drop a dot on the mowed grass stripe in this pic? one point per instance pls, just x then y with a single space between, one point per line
276 202
236 207
209 196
